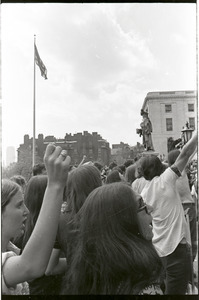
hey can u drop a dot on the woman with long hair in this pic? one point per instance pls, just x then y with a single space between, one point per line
114 253
130 173
33 199
18 269
81 182
114 176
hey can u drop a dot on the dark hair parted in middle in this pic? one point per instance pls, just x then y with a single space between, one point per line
151 166
113 176
111 257
81 181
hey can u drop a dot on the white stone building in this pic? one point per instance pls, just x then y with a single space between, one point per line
169 112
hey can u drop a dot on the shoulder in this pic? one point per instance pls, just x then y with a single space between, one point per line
19 289
6 255
170 174
135 182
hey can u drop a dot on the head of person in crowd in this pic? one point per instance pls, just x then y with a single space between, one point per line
98 166
172 156
112 165
138 171
14 211
19 180
114 176
33 199
39 169
122 168
118 169
81 182
130 173
114 253
128 162
151 167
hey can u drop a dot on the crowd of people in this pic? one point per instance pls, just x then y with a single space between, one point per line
101 230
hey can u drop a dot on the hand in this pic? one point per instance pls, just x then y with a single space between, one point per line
57 164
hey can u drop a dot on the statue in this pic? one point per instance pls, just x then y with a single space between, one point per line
145 131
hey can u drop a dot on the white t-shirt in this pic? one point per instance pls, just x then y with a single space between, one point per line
138 184
169 224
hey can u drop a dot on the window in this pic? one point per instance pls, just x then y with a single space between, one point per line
168 108
169 124
192 123
190 107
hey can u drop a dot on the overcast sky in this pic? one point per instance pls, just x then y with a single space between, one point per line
101 59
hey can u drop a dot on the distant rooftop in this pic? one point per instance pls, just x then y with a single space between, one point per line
169 94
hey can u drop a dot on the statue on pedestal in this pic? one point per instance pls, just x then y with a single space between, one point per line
145 131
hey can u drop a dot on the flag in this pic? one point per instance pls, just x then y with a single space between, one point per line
40 63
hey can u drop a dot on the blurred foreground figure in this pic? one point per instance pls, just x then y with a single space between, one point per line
113 253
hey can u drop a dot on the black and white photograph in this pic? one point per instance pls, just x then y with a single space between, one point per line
99 117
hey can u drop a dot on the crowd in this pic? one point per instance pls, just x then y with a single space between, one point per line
101 230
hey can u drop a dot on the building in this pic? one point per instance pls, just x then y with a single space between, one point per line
10 155
169 112
122 152
92 145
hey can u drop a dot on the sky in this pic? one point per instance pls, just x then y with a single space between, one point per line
101 60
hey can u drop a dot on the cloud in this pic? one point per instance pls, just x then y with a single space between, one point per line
102 60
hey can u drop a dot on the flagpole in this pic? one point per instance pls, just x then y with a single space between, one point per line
33 141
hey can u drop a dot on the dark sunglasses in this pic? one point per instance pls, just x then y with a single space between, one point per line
142 208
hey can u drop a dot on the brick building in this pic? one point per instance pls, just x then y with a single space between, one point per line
122 152
92 145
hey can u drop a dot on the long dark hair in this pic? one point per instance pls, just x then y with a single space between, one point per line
130 173
111 257
33 199
81 182
113 176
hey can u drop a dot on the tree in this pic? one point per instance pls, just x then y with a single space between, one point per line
23 167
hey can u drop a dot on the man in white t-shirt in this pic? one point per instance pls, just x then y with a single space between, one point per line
169 225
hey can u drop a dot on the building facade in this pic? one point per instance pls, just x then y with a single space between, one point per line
169 112
10 155
122 152
92 145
